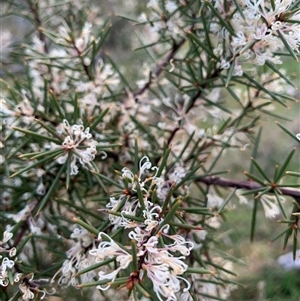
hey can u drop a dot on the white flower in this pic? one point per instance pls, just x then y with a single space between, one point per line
17 277
165 283
7 263
34 228
239 40
4 281
64 33
185 296
82 236
40 189
12 252
261 25
5 267
213 200
109 249
178 174
6 237
270 207
162 267
79 142
138 235
126 173
162 263
238 70
68 273
25 290
144 166
175 264
162 189
82 42
151 218
242 198
179 243
225 64
214 222
170 6
24 213
109 276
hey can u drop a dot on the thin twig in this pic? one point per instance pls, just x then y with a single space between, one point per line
38 21
160 67
249 185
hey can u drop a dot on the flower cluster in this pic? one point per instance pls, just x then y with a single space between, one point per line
163 268
260 31
128 202
160 23
9 275
110 249
79 145
6 263
161 253
77 259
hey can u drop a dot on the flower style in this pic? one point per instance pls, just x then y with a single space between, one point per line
29 287
77 260
163 268
111 250
128 202
6 265
144 166
25 290
79 142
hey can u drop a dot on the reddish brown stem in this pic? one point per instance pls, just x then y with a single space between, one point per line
248 185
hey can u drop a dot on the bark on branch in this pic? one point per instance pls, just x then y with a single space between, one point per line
248 185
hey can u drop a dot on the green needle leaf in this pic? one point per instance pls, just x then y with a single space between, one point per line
198 271
288 132
281 171
169 216
253 219
34 134
53 187
134 256
255 149
260 170
86 226
287 46
95 266
49 129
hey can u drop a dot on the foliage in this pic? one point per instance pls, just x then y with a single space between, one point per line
115 178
